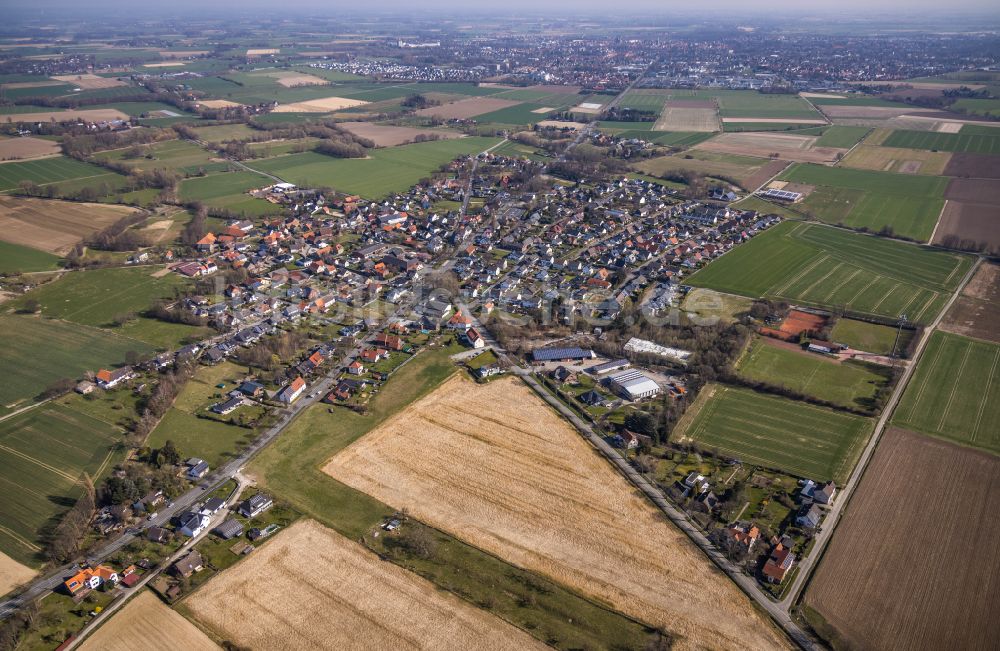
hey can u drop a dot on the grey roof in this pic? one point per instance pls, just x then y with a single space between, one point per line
229 529
549 354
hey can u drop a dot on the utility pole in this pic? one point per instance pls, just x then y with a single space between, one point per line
899 329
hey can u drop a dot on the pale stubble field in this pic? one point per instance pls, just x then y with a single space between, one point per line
494 466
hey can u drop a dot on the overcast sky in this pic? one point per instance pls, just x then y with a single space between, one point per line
659 7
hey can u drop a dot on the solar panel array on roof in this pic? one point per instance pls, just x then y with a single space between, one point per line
552 354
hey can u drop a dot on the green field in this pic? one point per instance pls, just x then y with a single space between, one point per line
842 136
955 392
751 104
908 204
15 258
181 156
96 297
44 452
988 107
37 352
820 265
870 337
228 190
976 143
50 170
290 469
388 170
847 384
518 115
795 437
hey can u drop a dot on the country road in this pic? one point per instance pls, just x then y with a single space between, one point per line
748 584
832 519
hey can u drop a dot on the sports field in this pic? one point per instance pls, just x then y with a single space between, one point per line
798 438
908 204
870 337
783 364
36 352
385 171
955 392
42 454
820 265
50 170
960 142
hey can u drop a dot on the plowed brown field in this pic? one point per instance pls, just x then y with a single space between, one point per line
311 588
53 226
493 465
913 564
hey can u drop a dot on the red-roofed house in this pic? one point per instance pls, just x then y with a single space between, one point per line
778 564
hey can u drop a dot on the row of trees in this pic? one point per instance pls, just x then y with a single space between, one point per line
63 542
120 236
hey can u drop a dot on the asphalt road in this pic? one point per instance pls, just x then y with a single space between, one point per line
748 584
54 578
832 519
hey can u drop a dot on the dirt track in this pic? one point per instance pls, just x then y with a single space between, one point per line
311 588
495 466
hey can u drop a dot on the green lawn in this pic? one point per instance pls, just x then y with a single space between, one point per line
45 450
385 171
15 258
955 392
842 136
95 297
290 469
795 437
869 337
976 143
847 384
820 265
36 352
49 170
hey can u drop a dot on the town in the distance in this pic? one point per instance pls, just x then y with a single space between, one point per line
518 327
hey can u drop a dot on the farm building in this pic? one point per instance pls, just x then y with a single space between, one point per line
109 379
633 385
561 354
607 367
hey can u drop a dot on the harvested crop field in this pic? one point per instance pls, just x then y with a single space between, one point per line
146 623
467 108
21 148
973 191
217 103
390 136
494 466
293 79
802 149
12 574
688 115
87 115
321 105
976 311
891 578
969 225
980 166
896 159
53 226
90 82
327 592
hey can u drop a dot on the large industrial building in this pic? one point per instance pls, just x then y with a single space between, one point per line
633 385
